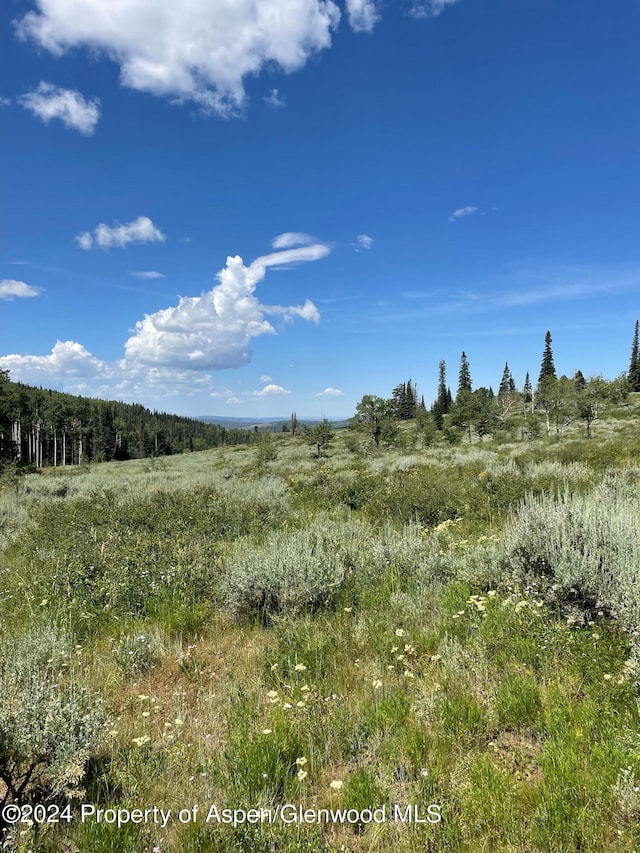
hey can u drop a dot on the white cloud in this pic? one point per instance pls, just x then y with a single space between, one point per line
462 211
363 15
141 230
67 359
429 8
364 241
330 392
200 51
292 238
266 378
173 349
5 102
68 105
10 289
274 100
149 274
214 330
271 391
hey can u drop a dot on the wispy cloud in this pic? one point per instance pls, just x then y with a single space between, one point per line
149 274
10 289
429 8
292 238
363 241
68 105
462 211
141 230
274 100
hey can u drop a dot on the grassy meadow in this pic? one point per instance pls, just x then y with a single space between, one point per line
451 628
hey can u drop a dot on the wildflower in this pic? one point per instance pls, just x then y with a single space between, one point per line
142 697
300 667
348 609
266 731
272 694
301 761
146 713
140 741
287 705
399 632
377 684
424 772
302 774
304 688
607 676
179 722
336 785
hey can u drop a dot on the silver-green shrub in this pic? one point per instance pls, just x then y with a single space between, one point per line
585 543
49 727
293 571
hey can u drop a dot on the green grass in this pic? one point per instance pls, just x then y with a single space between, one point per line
346 632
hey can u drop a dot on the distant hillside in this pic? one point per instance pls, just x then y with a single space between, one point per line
266 424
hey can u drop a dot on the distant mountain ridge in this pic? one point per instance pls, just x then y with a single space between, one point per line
274 423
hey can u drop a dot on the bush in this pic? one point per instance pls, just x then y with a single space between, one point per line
292 572
49 727
585 546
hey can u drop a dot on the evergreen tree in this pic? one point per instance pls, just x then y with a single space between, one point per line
527 389
464 376
442 398
547 368
506 383
634 366
579 380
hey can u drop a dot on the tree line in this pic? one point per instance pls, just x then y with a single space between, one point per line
41 427
553 403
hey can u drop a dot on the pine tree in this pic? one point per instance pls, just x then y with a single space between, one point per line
464 376
634 366
442 399
506 383
527 389
547 368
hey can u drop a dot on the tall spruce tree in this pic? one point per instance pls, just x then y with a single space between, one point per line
506 383
634 365
464 376
547 368
442 398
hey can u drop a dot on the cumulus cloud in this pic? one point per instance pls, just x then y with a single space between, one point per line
462 211
271 391
362 15
174 348
149 274
49 102
429 8
10 289
200 51
141 230
274 100
363 241
215 330
330 392
67 359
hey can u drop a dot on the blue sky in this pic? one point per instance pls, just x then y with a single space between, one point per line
274 205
